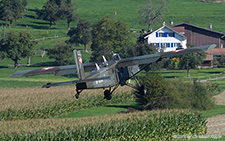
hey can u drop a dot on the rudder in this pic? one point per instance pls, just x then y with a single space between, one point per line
79 64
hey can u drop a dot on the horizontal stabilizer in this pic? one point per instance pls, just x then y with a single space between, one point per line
59 70
48 85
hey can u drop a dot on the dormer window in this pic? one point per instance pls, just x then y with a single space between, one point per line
172 34
161 34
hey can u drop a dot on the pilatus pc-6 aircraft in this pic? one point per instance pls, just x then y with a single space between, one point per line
107 74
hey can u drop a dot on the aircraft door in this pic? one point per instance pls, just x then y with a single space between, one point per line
123 75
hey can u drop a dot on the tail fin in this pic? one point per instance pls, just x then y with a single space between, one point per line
79 64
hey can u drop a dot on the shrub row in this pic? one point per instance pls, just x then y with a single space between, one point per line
64 108
155 125
163 93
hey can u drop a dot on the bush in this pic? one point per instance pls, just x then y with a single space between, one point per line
163 94
159 95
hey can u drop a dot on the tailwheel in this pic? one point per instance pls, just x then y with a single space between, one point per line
143 89
108 94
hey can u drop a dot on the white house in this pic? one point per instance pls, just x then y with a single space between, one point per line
166 38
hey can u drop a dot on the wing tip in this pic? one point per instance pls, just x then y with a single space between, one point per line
212 46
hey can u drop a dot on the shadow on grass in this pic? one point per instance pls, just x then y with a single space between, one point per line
44 64
3 67
35 26
34 10
213 72
30 16
129 107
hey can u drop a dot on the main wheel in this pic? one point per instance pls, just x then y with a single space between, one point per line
143 89
77 96
108 95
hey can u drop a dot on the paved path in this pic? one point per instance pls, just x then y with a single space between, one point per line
217 78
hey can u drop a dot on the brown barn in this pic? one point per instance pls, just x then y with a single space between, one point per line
199 36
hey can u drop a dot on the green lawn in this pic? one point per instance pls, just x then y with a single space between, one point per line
102 110
218 110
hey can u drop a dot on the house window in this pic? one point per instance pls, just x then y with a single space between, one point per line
176 44
168 44
164 44
160 34
171 34
153 44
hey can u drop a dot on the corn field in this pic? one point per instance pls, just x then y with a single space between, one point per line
154 125
64 108
22 119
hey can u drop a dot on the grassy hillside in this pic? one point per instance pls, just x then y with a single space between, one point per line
193 11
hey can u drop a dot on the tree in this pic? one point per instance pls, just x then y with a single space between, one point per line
142 48
108 35
68 12
49 12
62 53
54 10
81 34
191 61
149 14
16 46
11 10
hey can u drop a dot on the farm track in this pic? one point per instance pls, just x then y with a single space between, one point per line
216 124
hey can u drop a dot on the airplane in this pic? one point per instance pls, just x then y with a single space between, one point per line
107 74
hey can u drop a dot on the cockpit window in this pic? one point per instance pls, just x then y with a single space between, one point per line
116 56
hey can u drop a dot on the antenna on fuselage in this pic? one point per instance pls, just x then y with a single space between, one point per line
97 67
105 61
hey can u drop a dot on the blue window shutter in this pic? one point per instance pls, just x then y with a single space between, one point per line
178 44
166 34
168 44
171 44
157 34
157 44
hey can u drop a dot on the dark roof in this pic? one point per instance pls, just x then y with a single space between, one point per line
209 30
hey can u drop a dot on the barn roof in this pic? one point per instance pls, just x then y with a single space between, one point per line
216 51
209 30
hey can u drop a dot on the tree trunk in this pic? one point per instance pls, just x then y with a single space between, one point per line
42 52
15 63
50 24
68 25
11 24
188 73
28 61
85 47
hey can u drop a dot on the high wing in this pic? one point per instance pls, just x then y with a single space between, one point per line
59 70
147 59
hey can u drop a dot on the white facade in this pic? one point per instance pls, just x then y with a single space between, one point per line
167 39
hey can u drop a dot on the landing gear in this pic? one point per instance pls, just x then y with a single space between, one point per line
78 93
143 89
107 94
